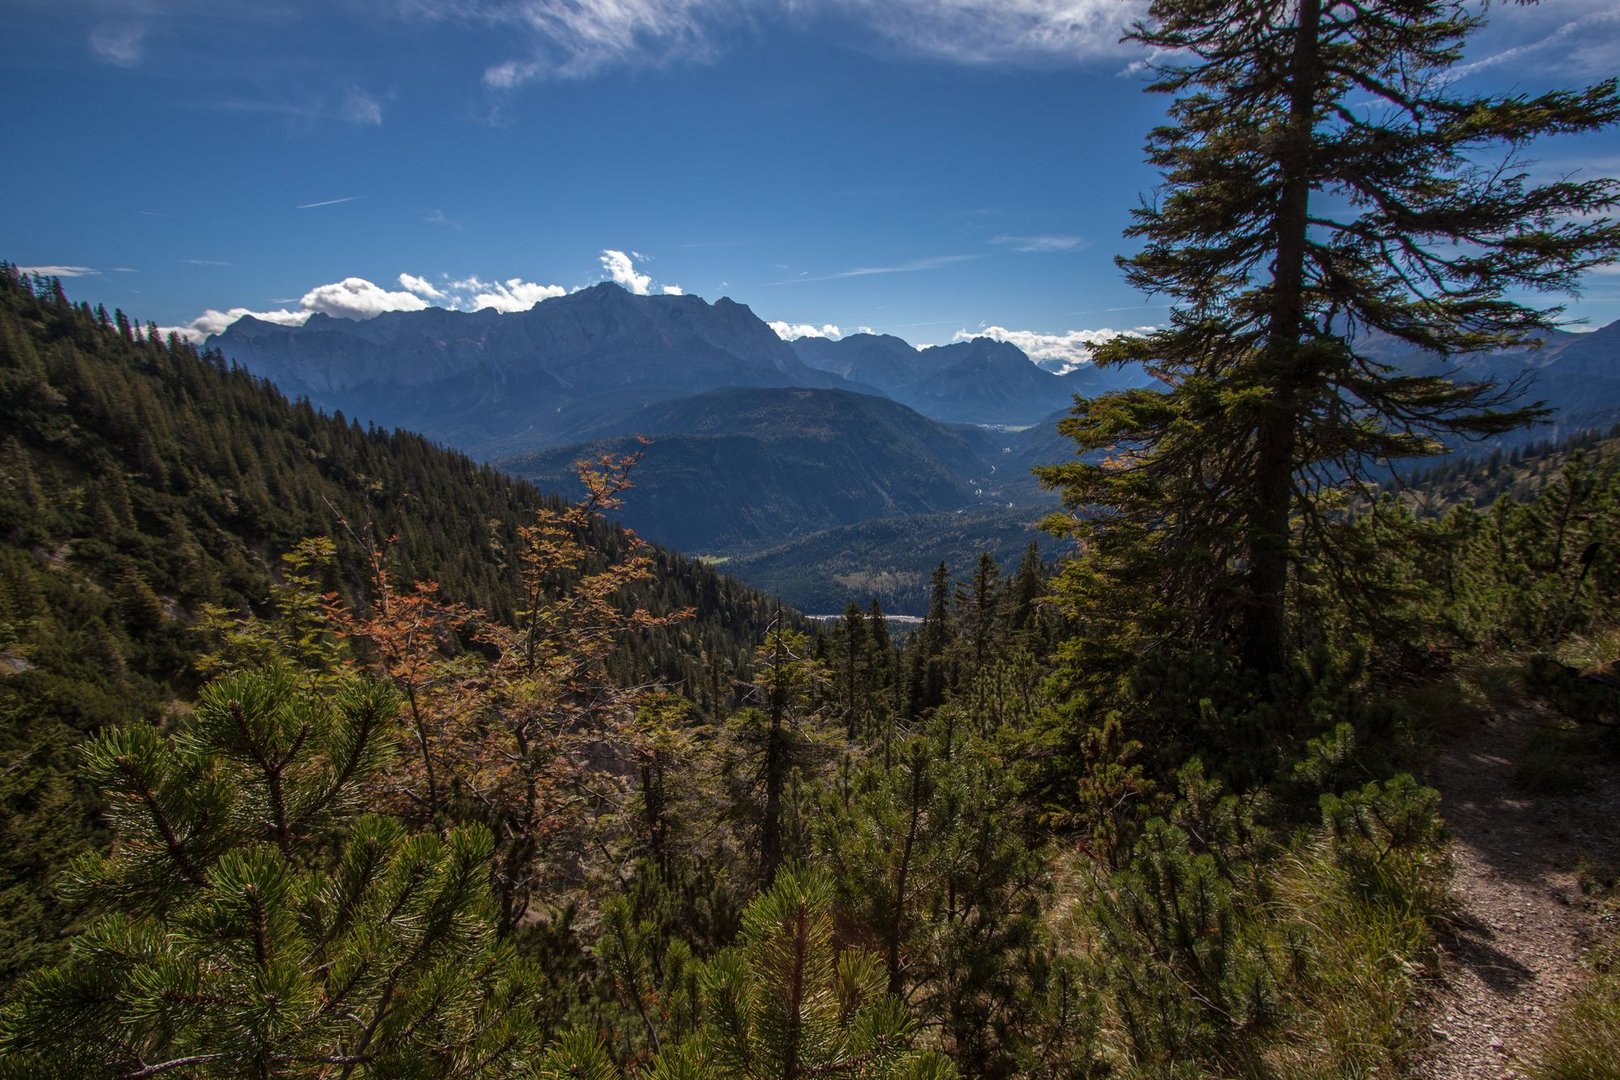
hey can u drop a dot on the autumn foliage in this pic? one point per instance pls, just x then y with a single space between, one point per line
516 726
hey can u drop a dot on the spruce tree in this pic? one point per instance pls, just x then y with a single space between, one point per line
1326 184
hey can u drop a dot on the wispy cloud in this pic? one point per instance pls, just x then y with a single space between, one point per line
361 109
571 39
1060 353
931 263
934 262
576 38
122 44
59 271
209 262
1042 244
305 108
439 217
1043 33
328 202
1587 43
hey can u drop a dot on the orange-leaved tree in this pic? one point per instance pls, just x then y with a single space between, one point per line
518 725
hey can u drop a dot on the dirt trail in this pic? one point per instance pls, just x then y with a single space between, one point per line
1522 922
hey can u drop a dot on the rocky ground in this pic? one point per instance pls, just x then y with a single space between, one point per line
1522 922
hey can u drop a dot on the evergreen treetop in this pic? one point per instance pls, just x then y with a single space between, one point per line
1326 184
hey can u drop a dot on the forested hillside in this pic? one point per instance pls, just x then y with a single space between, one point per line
735 470
143 486
326 753
982 878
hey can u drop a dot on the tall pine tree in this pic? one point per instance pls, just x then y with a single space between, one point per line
1326 185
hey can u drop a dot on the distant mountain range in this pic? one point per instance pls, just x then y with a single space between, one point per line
1576 375
492 383
576 366
779 456
971 382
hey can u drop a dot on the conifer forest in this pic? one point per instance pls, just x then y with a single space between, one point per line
328 752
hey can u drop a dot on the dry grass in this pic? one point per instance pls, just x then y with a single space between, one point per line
1583 1042
1359 973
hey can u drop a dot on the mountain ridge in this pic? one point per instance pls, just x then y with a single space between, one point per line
742 467
488 382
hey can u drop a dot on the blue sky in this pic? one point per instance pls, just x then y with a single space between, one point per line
920 167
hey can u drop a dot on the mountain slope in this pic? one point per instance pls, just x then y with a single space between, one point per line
736 469
981 381
1577 375
879 360
489 383
141 483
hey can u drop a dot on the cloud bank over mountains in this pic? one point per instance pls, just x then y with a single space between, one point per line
794 331
1059 353
358 298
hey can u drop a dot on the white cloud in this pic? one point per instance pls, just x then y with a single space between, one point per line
214 321
356 298
58 271
352 298
623 271
1041 244
514 294
421 287
1061 353
572 39
794 331
361 109
120 44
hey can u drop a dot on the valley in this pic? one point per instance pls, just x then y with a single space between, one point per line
825 471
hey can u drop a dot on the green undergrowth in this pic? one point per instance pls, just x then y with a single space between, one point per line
1579 735
1224 950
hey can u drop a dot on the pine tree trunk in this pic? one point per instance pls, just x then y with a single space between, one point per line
1265 633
